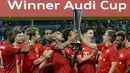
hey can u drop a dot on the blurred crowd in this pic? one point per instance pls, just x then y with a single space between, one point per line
99 26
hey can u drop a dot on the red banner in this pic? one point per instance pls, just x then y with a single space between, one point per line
63 8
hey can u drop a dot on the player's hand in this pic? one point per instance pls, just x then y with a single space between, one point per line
73 34
82 37
99 52
94 51
15 45
1 67
47 53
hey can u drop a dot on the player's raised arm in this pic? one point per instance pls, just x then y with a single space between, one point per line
46 55
88 43
66 43
27 44
81 59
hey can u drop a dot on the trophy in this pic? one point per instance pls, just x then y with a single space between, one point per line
77 16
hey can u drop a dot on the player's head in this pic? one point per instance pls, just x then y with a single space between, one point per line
57 36
109 36
88 33
9 35
18 35
119 42
48 35
67 33
33 33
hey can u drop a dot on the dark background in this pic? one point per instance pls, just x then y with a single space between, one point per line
98 25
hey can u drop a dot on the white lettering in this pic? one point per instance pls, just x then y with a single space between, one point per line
49 6
122 6
80 6
102 5
68 5
15 3
105 5
56 5
40 4
31 4
25 5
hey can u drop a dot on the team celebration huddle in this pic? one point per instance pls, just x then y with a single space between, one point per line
22 52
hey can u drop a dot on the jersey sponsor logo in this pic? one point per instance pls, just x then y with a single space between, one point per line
85 54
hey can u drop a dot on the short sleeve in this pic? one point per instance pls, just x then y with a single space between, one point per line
52 45
100 46
113 55
10 50
68 51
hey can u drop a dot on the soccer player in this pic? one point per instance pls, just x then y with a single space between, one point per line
123 65
36 56
62 54
8 51
48 36
87 57
49 65
19 42
108 57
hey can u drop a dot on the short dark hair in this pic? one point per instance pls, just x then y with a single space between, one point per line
66 33
112 35
43 33
83 31
17 30
24 28
122 34
7 32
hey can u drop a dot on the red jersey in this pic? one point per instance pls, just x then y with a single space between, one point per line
20 58
123 61
60 66
108 55
49 47
89 65
7 57
62 63
50 68
34 53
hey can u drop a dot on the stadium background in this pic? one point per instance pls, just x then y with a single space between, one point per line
98 25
